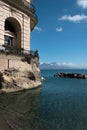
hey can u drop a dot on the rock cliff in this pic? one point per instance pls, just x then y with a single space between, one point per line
24 76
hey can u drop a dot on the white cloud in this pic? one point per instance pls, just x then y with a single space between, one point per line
59 29
72 65
68 64
82 3
38 28
76 18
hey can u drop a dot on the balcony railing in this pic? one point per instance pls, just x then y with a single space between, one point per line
18 52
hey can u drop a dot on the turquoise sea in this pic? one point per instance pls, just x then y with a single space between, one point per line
60 104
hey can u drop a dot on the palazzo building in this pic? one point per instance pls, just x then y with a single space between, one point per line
17 20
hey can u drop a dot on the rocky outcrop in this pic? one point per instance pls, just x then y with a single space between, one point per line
26 76
71 75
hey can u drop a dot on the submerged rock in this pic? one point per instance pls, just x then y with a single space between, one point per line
71 75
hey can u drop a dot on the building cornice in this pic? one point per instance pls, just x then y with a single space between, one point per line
20 5
25 7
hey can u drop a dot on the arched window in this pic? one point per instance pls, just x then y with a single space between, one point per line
12 36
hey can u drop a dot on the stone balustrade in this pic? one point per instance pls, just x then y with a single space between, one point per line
18 51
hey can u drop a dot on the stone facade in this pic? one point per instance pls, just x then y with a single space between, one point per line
19 66
17 20
9 61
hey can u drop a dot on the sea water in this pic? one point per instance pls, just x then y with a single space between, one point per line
60 104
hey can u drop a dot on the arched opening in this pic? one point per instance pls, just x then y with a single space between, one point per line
12 36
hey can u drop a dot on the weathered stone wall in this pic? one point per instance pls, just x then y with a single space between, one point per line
8 62
19 73
3 64
20 63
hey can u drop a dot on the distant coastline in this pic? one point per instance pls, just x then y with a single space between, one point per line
55 66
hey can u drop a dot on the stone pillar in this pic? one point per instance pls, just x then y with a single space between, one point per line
1 27
25 33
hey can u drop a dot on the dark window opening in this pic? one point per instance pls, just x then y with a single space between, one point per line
9 41
9 26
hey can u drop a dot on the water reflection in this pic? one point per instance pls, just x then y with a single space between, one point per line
20 109
61 104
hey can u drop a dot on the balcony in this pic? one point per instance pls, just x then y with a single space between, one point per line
8 50
26 8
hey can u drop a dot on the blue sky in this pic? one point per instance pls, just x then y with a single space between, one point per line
61 33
